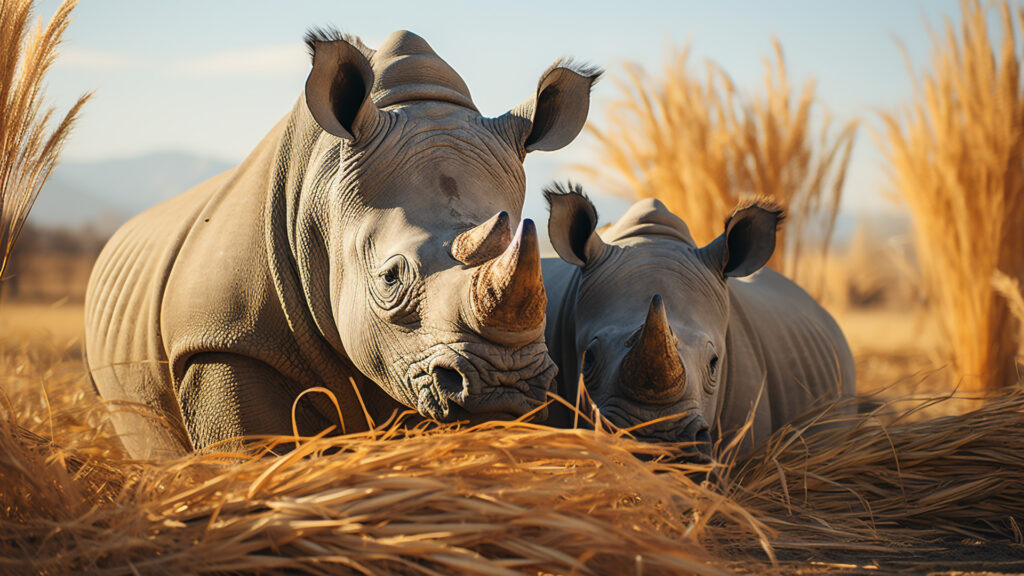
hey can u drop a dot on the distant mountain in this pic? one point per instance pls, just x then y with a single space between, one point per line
105 194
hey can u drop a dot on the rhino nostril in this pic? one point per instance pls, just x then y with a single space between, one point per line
703 436
703 439
450 384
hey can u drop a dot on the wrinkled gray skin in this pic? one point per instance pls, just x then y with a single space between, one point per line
327 259
659 327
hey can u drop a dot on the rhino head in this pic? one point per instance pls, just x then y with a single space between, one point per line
652 309
428 281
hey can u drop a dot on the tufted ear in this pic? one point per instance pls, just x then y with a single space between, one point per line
338 86
572 225
748 241
555 115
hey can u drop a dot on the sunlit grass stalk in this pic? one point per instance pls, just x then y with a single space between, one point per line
698 144
956 158
28 149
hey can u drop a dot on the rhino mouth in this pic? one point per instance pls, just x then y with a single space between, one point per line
468 381
689 427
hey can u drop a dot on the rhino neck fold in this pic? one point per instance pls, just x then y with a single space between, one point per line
306 162
560 333
572 353
737 339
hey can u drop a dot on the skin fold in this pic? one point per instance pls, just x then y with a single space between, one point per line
324 263
658 327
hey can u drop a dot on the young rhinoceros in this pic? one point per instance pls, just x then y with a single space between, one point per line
658 326
368 238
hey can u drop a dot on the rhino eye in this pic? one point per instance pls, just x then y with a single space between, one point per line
393 270
390 277
391 290
713 368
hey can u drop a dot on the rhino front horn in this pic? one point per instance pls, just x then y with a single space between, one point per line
484 242
652 371
508 291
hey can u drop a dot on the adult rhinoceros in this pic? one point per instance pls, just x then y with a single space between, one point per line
658 327
364 246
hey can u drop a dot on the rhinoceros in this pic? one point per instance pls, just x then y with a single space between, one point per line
364 249
694 337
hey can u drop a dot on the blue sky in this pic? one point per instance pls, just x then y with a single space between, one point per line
212 77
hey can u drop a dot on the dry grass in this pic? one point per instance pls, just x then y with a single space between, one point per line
700 145
28 149
955 159
503 498
498 499
885 477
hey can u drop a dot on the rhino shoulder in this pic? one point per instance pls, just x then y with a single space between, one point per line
794 347
219 286
772 297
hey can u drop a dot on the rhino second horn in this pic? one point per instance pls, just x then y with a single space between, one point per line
508 291
484 242
652 371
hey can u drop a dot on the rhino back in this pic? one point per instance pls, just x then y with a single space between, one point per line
783 340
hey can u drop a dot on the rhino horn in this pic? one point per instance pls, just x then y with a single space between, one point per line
484 242
508 291
652 371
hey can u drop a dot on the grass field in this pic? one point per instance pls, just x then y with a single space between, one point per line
897 491
61 322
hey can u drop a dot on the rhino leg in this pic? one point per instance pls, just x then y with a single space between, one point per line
224 397
142 408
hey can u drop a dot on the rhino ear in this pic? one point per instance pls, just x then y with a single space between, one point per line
572 225
748 241
557 113
338 87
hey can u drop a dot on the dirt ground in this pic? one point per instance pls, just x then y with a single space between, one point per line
891 347
61 321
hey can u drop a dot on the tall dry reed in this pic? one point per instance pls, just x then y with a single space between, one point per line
700 145
28 149
956 157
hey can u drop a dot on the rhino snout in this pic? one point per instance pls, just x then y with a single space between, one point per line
460 400
463 386
441 391
702 438
678 424
695 431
